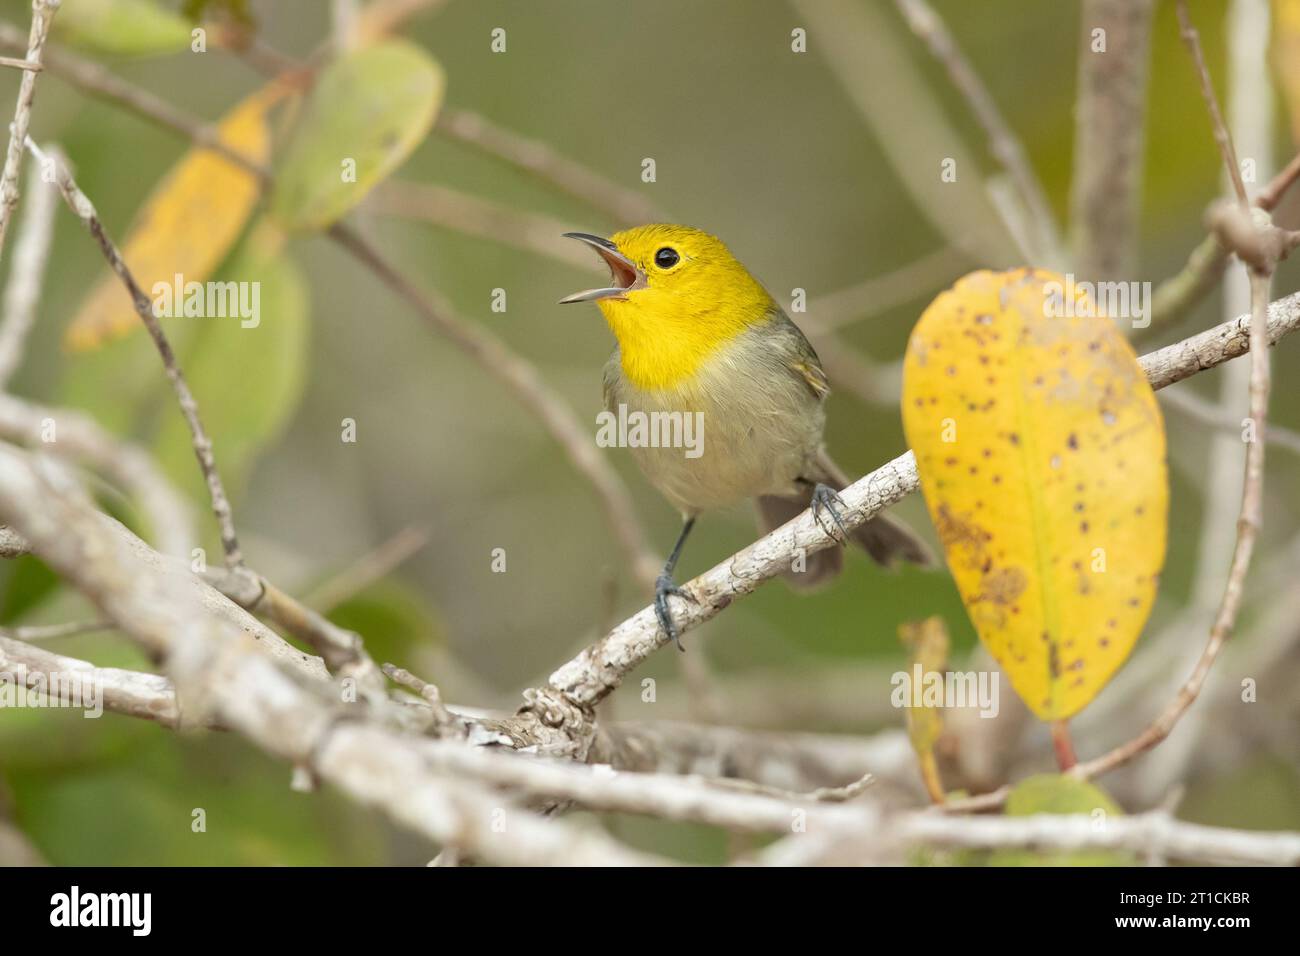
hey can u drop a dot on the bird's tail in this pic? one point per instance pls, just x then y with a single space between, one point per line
886 539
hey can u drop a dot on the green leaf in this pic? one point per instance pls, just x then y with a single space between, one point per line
185 800
367 114
129 27
27 582
394 619
246 374
1055 793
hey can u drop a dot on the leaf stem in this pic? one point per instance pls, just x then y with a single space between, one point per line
1063 745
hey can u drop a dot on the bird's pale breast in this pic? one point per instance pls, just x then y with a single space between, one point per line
762 421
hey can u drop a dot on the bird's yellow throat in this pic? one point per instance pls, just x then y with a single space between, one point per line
665 348
667 330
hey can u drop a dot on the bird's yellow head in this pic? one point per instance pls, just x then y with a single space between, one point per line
676 295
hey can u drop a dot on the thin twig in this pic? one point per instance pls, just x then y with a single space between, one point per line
1184 401
42 13
1192 39
862 42
368 569
540 159
452 209
1045 243
428 692
1269 197
1248 525
19 64
93 79
22 294
47 632
1110 118
343 651
880 293
1175 296
85 211
128 467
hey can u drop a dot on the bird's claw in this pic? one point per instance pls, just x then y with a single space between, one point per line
665 588
826 498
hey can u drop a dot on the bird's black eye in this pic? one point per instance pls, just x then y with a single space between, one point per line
666 258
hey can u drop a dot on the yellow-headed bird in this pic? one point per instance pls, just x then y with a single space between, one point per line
698 334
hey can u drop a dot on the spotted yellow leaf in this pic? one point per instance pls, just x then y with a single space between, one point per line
1041 452
188 225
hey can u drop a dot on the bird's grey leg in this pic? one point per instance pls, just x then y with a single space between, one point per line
825 498
665 587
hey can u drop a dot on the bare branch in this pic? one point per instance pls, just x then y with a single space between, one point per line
47 632
129 467
131 693
12 544
1045 241
861 43
1110 117
343 651
371 567
880 293
1186 402
92 78
222 674
1252 499
42 14
452 209
85 211
1148 833
1174 297
541 160
20 64
24 289
1193 41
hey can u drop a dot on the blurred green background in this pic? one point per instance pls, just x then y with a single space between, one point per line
756 144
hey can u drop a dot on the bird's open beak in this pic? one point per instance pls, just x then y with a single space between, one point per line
624 276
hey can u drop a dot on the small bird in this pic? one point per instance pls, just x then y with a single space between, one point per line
698 334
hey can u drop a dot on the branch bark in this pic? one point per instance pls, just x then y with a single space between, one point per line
1110 117
42 14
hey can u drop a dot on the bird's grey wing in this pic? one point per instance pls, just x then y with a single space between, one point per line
798 354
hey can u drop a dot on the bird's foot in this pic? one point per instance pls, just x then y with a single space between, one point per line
825 498
665 587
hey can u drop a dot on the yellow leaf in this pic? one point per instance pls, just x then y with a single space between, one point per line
1041 452
928 642
187 225
1286 57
